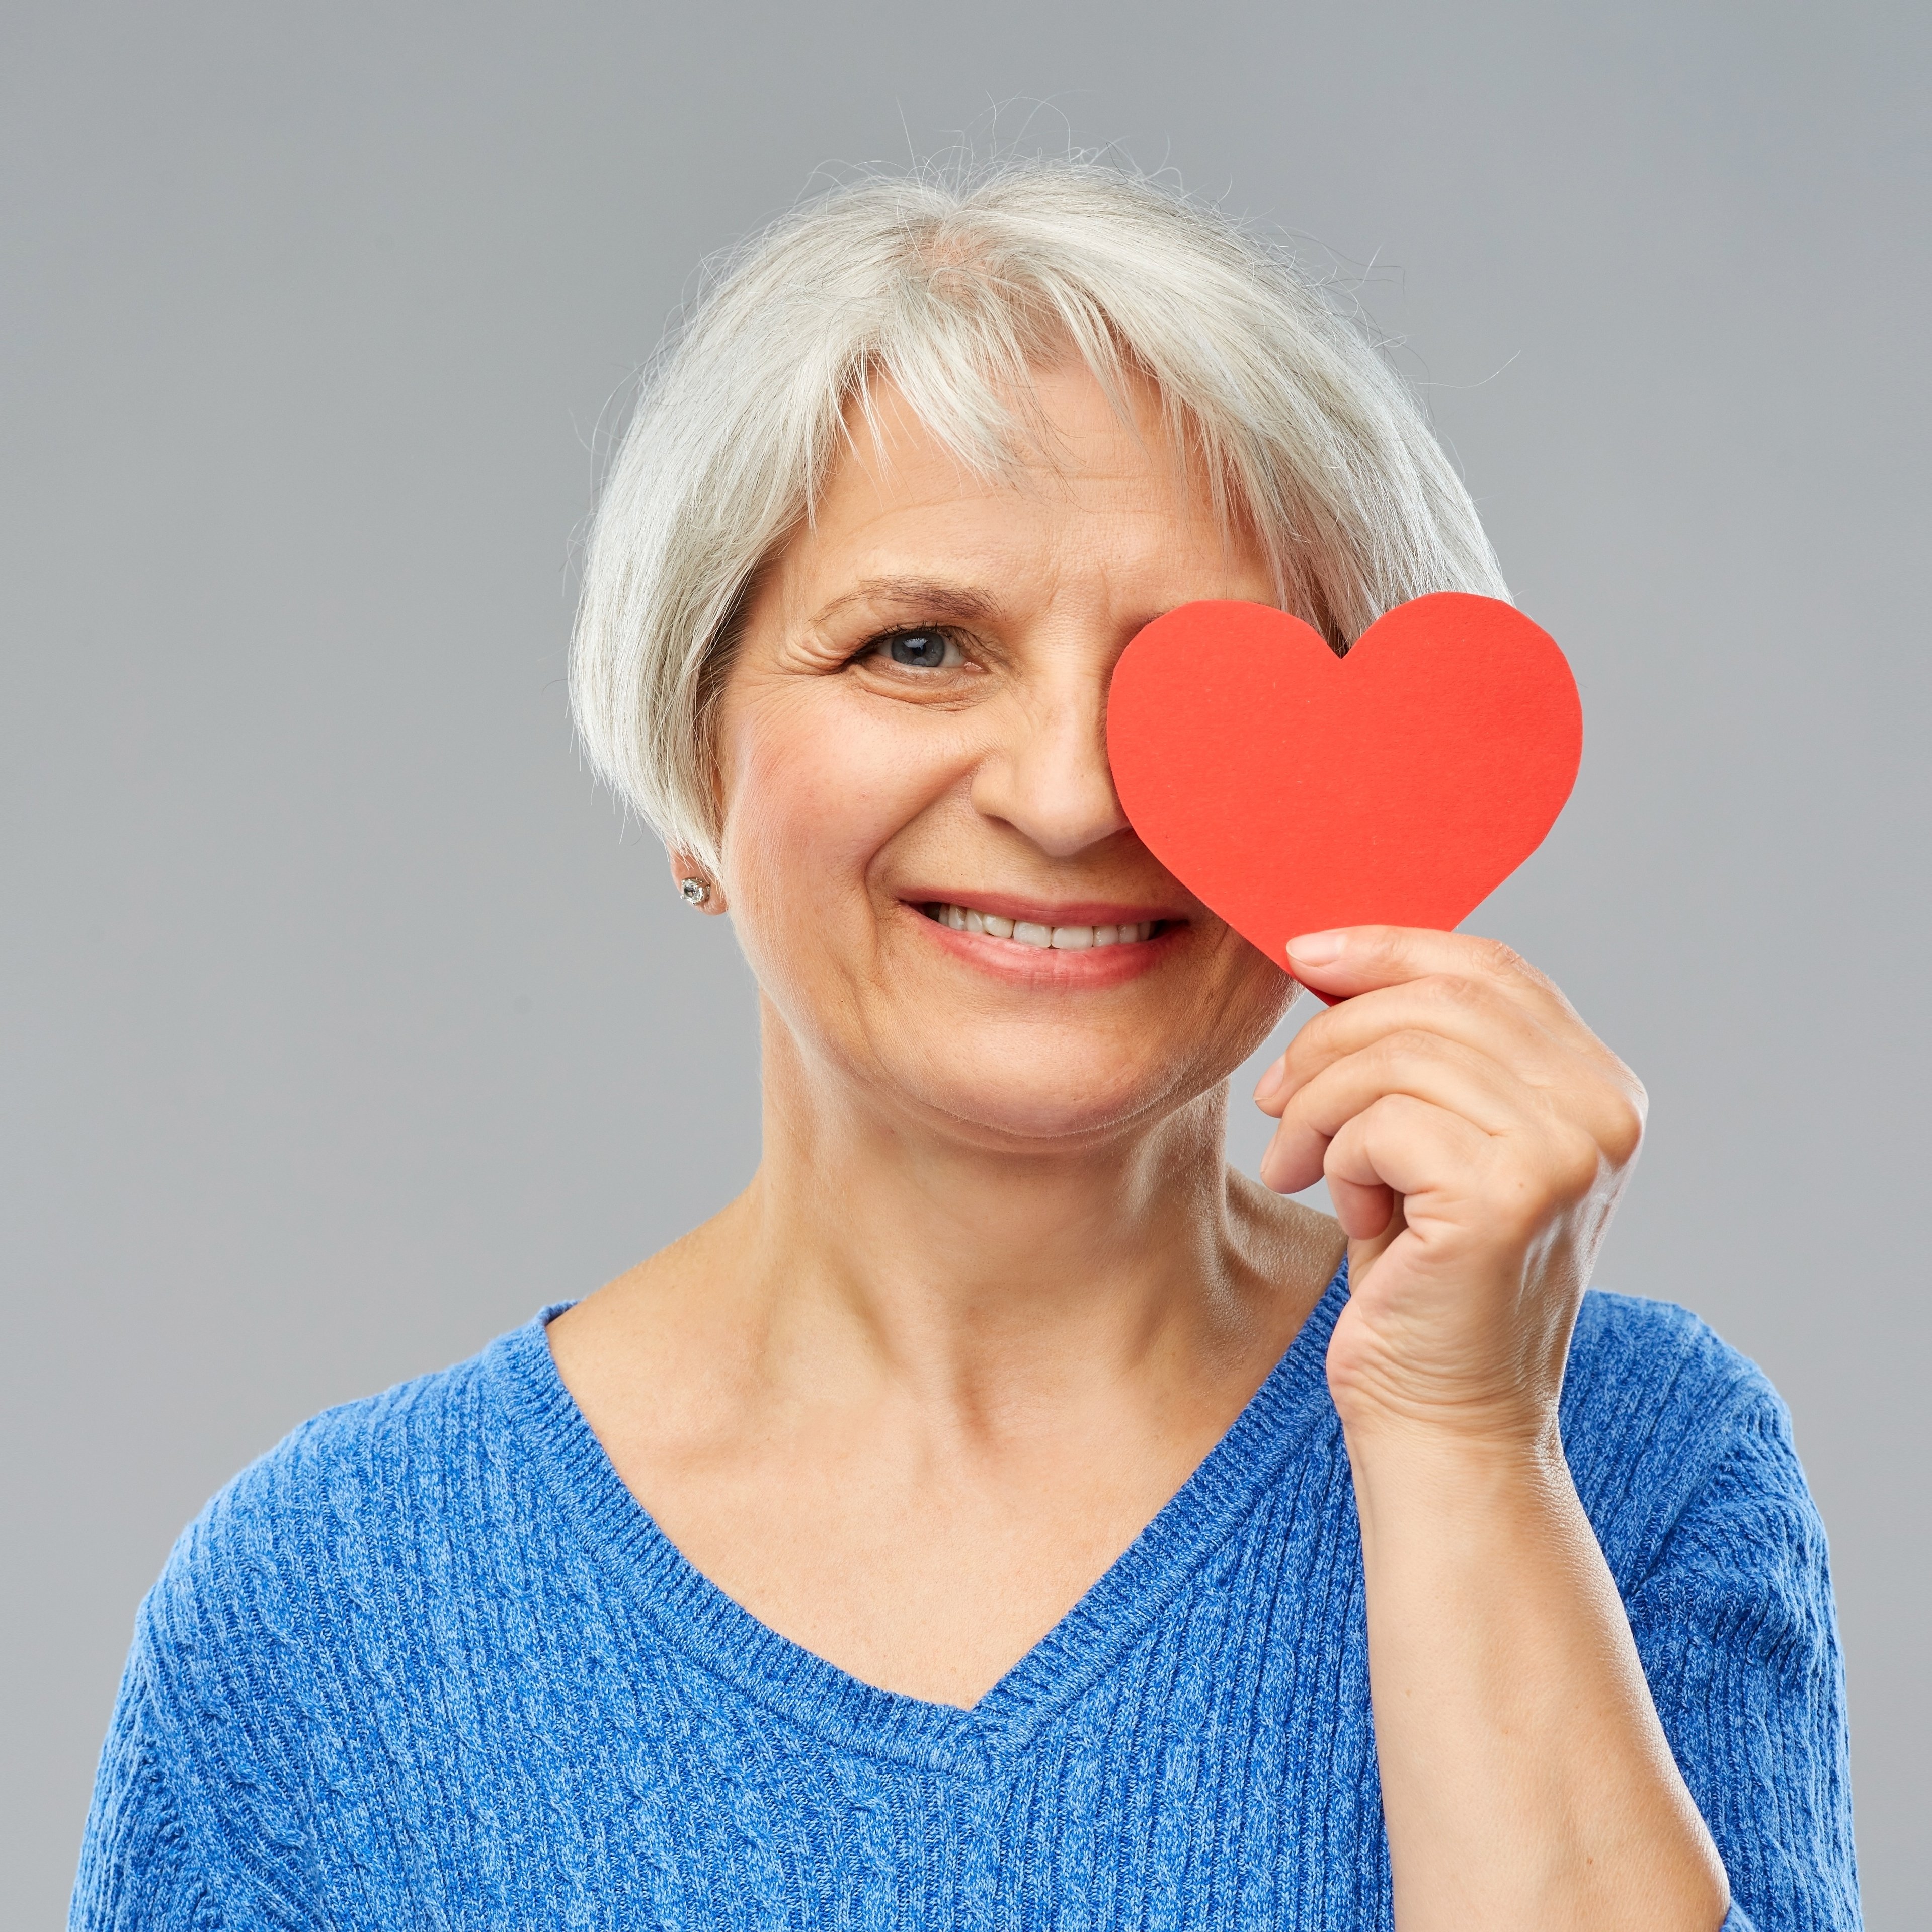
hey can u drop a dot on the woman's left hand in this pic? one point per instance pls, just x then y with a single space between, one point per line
1475 1135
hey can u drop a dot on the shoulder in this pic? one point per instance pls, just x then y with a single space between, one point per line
310 1570
280 1638
363 1469
1659 1413
359 1482
1630 1357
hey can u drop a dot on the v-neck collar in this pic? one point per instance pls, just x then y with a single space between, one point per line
693 1614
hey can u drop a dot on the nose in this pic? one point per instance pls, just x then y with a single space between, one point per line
1047 774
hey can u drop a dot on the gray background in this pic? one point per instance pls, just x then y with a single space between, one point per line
344 1023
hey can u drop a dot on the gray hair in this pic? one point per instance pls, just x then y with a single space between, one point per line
953 291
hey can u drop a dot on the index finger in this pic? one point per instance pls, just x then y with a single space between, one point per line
1352 959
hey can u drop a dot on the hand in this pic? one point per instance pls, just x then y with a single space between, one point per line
1475 1136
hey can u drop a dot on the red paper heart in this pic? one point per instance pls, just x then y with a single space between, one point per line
1292 790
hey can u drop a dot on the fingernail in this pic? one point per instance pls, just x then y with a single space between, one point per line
1319 948
1265 1087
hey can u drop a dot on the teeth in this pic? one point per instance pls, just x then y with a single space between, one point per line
1024 932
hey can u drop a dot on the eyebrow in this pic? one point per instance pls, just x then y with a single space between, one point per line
932 597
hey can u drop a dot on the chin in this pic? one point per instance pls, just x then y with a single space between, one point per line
1050 1104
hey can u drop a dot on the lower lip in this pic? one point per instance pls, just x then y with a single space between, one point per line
1046 967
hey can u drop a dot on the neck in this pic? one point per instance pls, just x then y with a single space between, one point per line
986 1274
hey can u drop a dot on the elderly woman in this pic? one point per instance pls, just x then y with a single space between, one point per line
1002 1513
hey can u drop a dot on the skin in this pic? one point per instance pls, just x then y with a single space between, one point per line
995 1292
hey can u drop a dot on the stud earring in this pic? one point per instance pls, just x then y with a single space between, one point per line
694 891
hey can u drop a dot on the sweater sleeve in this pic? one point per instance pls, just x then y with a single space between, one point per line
164 1849
1736 1626
142 1868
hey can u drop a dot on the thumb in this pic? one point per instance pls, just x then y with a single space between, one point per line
1365 1252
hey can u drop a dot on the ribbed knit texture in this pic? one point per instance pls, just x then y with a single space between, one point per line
427 1664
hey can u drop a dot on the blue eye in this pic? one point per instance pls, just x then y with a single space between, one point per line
923 650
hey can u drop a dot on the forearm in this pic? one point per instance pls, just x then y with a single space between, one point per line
1526 1780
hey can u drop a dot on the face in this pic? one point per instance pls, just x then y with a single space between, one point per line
929 872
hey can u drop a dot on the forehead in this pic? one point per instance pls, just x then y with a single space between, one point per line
1088 481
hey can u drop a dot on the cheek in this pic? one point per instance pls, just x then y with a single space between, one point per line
816 785
1260 995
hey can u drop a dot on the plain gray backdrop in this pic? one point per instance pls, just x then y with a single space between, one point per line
345 1022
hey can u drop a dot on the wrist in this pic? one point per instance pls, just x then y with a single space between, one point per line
1481 1396
1425 1481
1507 1432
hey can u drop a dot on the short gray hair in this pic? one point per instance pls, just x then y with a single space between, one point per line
953 290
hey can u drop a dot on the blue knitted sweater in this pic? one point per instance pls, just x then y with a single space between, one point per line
428 1664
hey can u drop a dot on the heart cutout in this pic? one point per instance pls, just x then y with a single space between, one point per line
1292 790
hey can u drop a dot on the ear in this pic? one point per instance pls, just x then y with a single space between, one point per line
694 882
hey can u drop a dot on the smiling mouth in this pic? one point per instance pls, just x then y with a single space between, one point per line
1042 938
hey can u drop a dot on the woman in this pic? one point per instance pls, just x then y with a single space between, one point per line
1002 1513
